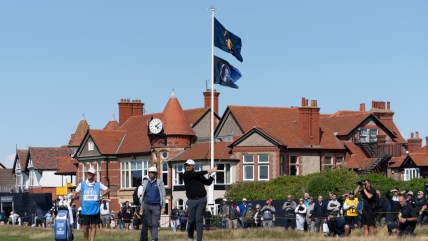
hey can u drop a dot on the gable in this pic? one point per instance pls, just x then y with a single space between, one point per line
88 149
202 127
229 127
255 139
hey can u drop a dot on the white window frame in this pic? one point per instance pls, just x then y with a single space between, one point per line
226 166
180 206
295 165
248 164
330 165
126 169
164 172
91 146
263 164
411 173
339 163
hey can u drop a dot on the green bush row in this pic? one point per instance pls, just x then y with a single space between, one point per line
338 180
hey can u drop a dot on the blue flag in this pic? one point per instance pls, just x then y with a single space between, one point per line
226 40
225 74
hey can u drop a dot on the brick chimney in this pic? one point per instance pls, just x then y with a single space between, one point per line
128 108
382 110
309 118
414 142
363 107
207 99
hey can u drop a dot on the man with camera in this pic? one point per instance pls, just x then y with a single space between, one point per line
368 194
290 216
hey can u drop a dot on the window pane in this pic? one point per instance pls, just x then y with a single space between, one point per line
263 158
136 178
328 160
264 172
228 177
220 167
248 172
220 178
165 179
248 159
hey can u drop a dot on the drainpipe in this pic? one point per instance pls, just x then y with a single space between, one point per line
108 179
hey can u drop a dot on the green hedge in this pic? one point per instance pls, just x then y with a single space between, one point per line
339 180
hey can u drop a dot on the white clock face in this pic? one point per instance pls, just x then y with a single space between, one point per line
155 126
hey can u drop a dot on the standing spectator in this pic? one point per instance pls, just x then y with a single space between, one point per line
195 182
152 200
368 218
351 218
90 190
309 215
258 216
393 196
105 213
48 218
268 212
300 211
233 215
320 213
306 197
382 209
335 222
224 213
242 208
175 222
183 220
248 217
410 199
127 215
290 216
421 206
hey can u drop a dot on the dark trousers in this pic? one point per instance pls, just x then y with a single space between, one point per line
144 228
290 221
196 217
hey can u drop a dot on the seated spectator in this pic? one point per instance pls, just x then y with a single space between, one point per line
335 223
421 206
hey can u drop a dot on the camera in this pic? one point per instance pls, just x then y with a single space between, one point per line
361 183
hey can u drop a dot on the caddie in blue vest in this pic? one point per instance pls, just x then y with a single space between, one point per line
90 191
152 204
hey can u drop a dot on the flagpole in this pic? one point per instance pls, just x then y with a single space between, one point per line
211 187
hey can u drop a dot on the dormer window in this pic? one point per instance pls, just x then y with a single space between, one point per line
90 146
368 135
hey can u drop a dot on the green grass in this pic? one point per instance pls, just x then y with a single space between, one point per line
14 233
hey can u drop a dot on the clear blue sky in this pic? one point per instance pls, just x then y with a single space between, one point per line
62 59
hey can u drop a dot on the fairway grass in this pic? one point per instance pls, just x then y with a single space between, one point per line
14 233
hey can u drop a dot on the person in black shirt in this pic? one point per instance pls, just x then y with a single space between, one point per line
407 218
368 194
421 206
194 183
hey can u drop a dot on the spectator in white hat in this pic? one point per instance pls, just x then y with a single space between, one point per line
90 190
195 182
410 199
242 209
152 200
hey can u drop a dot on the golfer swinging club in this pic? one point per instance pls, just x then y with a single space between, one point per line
197 197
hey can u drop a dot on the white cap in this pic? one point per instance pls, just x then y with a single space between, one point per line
190 162
91 170
153 169
224 200
244 199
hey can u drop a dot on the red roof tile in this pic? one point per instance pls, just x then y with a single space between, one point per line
46 158
67 166
22 156
111 125
174 120
281 123
355 157
7 178
392 127
343 122
80 133
107 142
201 151
396 161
